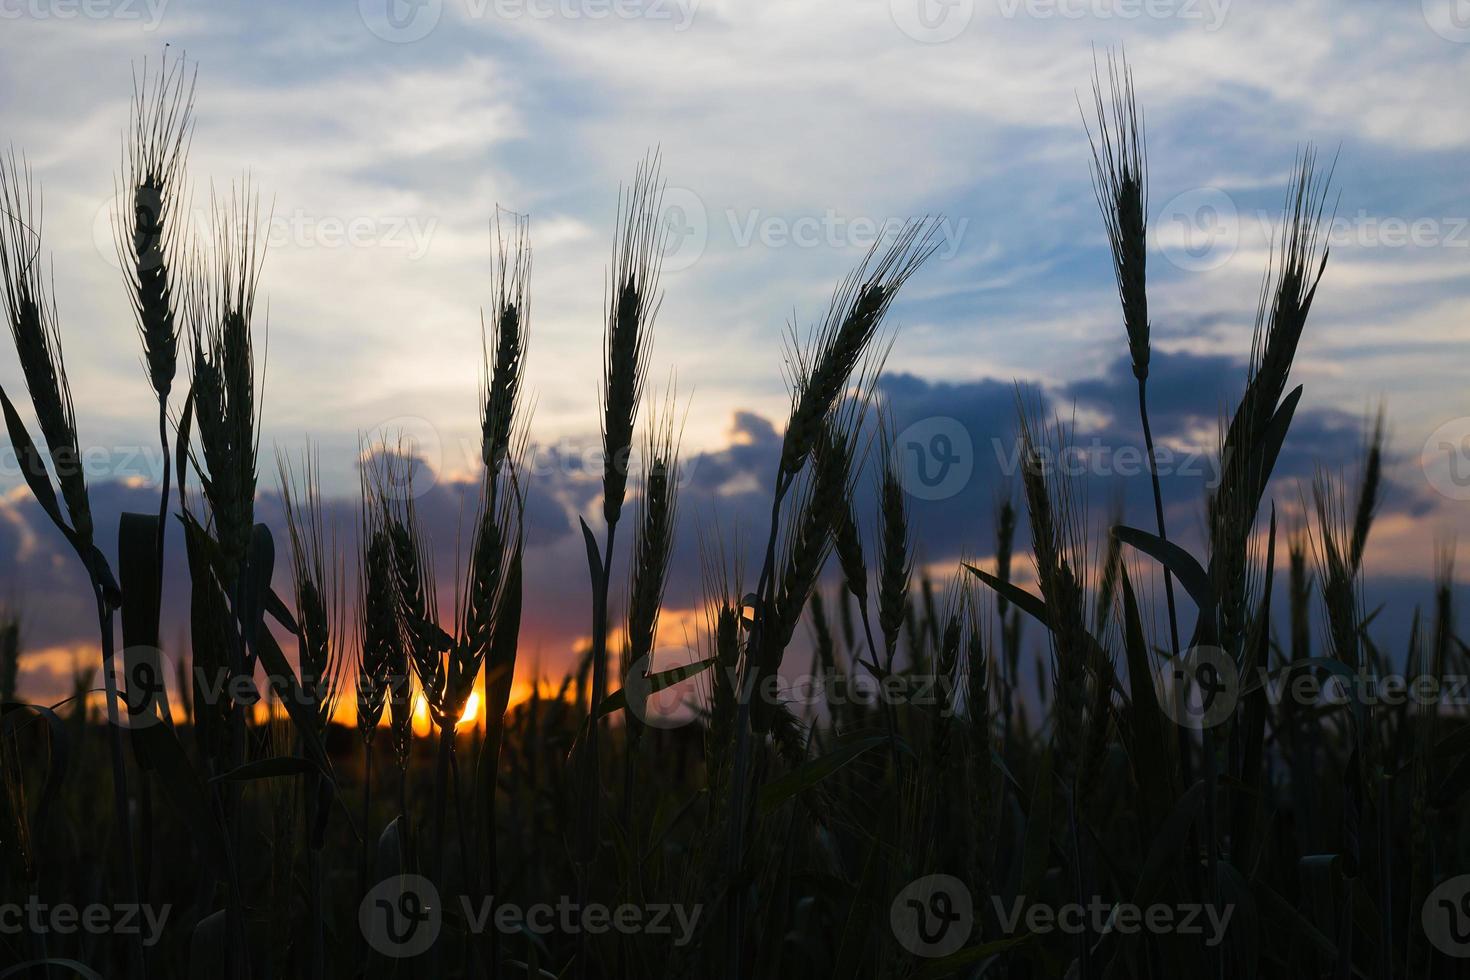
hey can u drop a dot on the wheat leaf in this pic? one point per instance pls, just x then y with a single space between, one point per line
814 771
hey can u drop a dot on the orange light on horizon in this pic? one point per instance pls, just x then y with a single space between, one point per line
471 711
423 722
47 675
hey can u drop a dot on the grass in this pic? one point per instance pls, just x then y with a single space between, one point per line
1044 770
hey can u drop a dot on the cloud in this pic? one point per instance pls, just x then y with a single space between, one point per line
839 117
725 504
384 162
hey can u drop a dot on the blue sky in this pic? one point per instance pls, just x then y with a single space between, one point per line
384 136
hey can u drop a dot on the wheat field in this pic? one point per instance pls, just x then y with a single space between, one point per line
1096 752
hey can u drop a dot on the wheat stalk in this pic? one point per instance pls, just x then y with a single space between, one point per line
510 282
895 562
633 301
30 310
320 604
221 310
633 304
317 579
823 365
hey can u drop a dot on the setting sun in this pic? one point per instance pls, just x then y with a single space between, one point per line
471 710
966 542
423 722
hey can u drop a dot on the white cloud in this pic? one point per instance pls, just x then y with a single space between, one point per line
769 114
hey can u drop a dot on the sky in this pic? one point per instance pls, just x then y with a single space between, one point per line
382 135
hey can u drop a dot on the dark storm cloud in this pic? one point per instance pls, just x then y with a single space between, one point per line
725 499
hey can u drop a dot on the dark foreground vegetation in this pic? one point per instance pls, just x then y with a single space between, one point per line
1048 785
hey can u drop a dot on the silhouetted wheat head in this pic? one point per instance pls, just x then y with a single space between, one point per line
30 310
225 397
633 303
150 241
